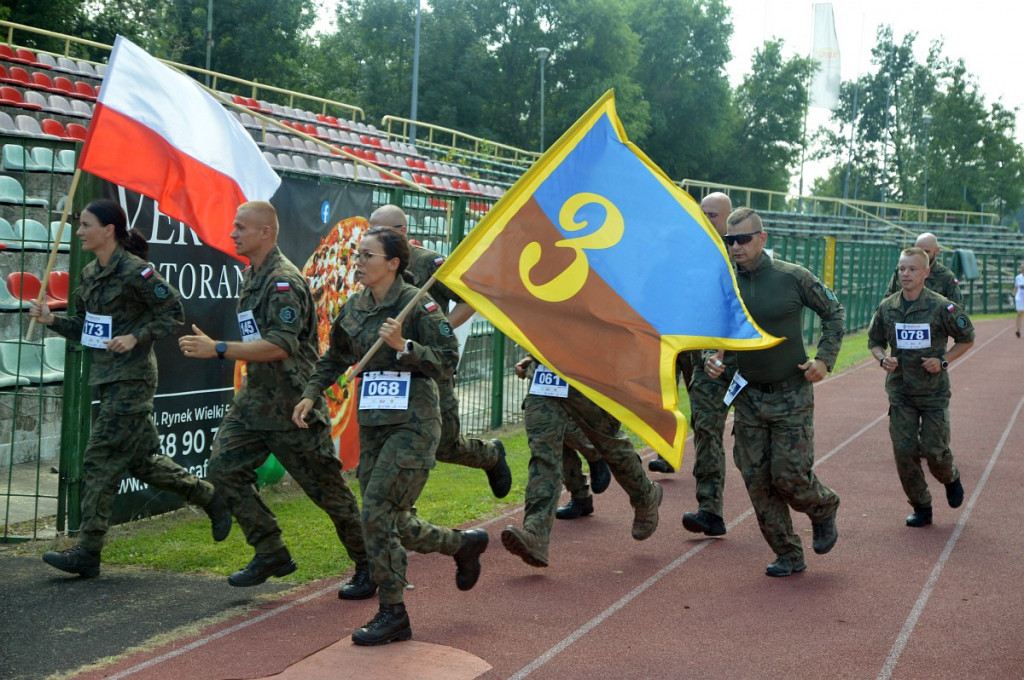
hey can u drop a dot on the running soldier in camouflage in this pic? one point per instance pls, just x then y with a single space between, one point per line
399 423
278 327
454 447
916 325
941 279
774 425
546 419
122 307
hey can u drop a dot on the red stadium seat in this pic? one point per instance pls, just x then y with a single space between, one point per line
19 77
76 131
54 127
27 57
12 97
84 90
24 286
41 81
7 54
63 85
58 286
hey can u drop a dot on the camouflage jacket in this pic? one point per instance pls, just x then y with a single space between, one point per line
941 280
945 319
284 312
435 351
139 302
423 262
775 293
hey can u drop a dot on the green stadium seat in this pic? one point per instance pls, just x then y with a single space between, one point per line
12 193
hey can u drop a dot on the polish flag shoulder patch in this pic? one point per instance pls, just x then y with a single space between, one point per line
950 307
430 305
439 260
146 273
283 286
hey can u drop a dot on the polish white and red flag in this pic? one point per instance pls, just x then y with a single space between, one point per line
157 132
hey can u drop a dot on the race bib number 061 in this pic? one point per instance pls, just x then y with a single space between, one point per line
546 383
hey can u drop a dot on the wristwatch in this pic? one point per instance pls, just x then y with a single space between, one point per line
221 347
405 350
943 363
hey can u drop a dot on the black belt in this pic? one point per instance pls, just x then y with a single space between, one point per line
781 386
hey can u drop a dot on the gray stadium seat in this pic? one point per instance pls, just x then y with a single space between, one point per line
34 235
65 237
54 351
12 193
86 69
80 108
46 59
28 360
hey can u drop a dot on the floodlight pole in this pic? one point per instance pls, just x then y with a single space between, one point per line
542 57
209 38
415 77
927 119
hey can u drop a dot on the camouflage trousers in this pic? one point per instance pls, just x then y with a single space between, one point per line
572 468
391 483
774 452
125 441
453 447
308 456
919 428
708 414
546 420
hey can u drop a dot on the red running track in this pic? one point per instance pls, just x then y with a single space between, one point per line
888 602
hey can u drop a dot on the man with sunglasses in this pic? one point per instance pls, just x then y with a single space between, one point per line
453 447
941 279
773 396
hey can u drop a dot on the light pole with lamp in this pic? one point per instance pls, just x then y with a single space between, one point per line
542 56
927 119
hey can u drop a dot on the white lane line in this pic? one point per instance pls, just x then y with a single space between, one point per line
911 622
664 571
196 644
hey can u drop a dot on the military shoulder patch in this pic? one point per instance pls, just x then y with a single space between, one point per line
828 293
161 290
288 314
961 322
430 305
283 286
146 273
446 329
438 260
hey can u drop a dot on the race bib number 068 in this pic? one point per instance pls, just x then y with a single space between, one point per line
385 390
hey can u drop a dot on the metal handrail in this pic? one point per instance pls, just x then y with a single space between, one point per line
475 146
255 87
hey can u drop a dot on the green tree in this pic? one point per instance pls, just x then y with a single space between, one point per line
771 103
684 47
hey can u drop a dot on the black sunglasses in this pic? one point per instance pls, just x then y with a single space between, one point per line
742 239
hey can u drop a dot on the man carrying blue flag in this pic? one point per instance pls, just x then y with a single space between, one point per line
773 396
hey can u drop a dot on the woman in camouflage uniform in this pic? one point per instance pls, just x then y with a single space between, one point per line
399 423
122 307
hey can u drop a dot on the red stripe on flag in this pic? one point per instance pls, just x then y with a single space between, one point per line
122 150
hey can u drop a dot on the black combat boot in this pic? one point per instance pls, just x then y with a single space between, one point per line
263 566
77 560
955 493
659 464
391 624
359 587
600 476
220 517
467 559
704 522
922 517
576 508
500 476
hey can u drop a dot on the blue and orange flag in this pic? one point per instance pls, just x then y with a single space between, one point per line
604 270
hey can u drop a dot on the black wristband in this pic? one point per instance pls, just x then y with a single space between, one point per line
881 362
